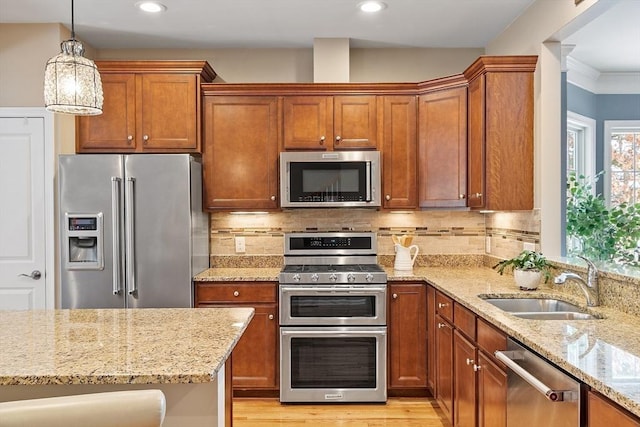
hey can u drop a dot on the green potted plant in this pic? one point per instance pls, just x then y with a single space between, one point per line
528 268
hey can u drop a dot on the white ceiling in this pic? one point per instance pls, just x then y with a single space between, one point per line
609 43
208 24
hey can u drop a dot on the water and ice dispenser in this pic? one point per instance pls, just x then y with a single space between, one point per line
84 241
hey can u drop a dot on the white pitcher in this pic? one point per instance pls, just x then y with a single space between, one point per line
404 259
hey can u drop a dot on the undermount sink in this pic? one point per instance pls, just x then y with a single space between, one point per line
541 308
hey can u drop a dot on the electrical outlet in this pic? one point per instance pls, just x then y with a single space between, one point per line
240 244
487 244
528 246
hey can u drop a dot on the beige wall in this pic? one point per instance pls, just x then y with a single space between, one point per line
24 51
296 65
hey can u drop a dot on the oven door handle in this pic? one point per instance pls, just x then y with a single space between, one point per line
333 334
509 357
368 290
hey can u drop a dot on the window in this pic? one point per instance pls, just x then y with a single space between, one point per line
581 145
622 162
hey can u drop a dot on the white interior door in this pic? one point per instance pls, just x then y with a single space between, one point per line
24 208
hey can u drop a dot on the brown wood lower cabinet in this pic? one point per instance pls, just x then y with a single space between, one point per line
492 393
255 357
407 353
464 381
444 365
470 384
603 412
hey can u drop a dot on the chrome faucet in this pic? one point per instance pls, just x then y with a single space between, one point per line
588 287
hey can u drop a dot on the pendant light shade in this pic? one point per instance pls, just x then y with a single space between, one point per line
72 82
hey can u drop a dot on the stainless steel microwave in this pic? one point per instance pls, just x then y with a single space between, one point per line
330 179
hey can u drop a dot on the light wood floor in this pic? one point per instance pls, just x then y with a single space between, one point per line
397 412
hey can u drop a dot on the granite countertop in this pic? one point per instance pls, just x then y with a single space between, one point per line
118 346
604 353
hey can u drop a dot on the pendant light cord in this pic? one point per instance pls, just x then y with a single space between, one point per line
73 30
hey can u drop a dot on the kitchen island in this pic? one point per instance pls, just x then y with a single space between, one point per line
181 351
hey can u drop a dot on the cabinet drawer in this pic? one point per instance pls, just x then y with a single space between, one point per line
444 306
240 292
489 338
465 321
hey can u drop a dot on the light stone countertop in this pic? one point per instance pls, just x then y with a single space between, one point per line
118 346
604 353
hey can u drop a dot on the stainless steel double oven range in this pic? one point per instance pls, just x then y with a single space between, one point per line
333 323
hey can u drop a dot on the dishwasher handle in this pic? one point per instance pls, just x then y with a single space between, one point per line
508 357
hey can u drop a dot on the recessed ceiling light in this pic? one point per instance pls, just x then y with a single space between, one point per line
151 6
371 6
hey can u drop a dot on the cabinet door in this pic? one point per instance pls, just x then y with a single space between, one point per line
431 339
444 366
492 393
442 159
168 112
464 376
308 122
255 357
115 129
476 147
241 152
399 152
407 336
355 122
603 412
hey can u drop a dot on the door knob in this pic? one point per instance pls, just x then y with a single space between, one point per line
35 275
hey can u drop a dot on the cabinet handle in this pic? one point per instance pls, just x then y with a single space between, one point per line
273 198
394 296
129 139
271 317
461 196
145 138
387 197
442 325
442 304
322 139
476 195
338 139
476 368
236 293
470 361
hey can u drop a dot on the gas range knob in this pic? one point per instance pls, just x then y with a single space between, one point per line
369 277
333 277
296 277
314 277
351 277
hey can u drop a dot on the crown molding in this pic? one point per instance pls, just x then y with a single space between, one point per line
588 78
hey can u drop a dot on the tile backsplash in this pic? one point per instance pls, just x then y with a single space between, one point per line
435 232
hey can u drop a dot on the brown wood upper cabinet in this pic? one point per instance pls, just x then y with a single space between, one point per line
341 122
399 148
442 148
241 136
149 106
500 120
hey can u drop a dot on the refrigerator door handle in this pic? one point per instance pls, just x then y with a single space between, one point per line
130 232
115 215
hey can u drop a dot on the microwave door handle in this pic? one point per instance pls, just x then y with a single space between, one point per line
368 183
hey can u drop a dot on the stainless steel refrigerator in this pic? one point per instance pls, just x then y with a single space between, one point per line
132 230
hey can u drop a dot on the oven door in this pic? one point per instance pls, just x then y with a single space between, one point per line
333 364
329 305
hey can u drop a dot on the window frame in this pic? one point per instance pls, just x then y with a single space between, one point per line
611 126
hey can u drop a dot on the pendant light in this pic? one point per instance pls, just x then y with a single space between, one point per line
72 82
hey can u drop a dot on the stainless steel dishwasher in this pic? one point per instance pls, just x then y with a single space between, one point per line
538 393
